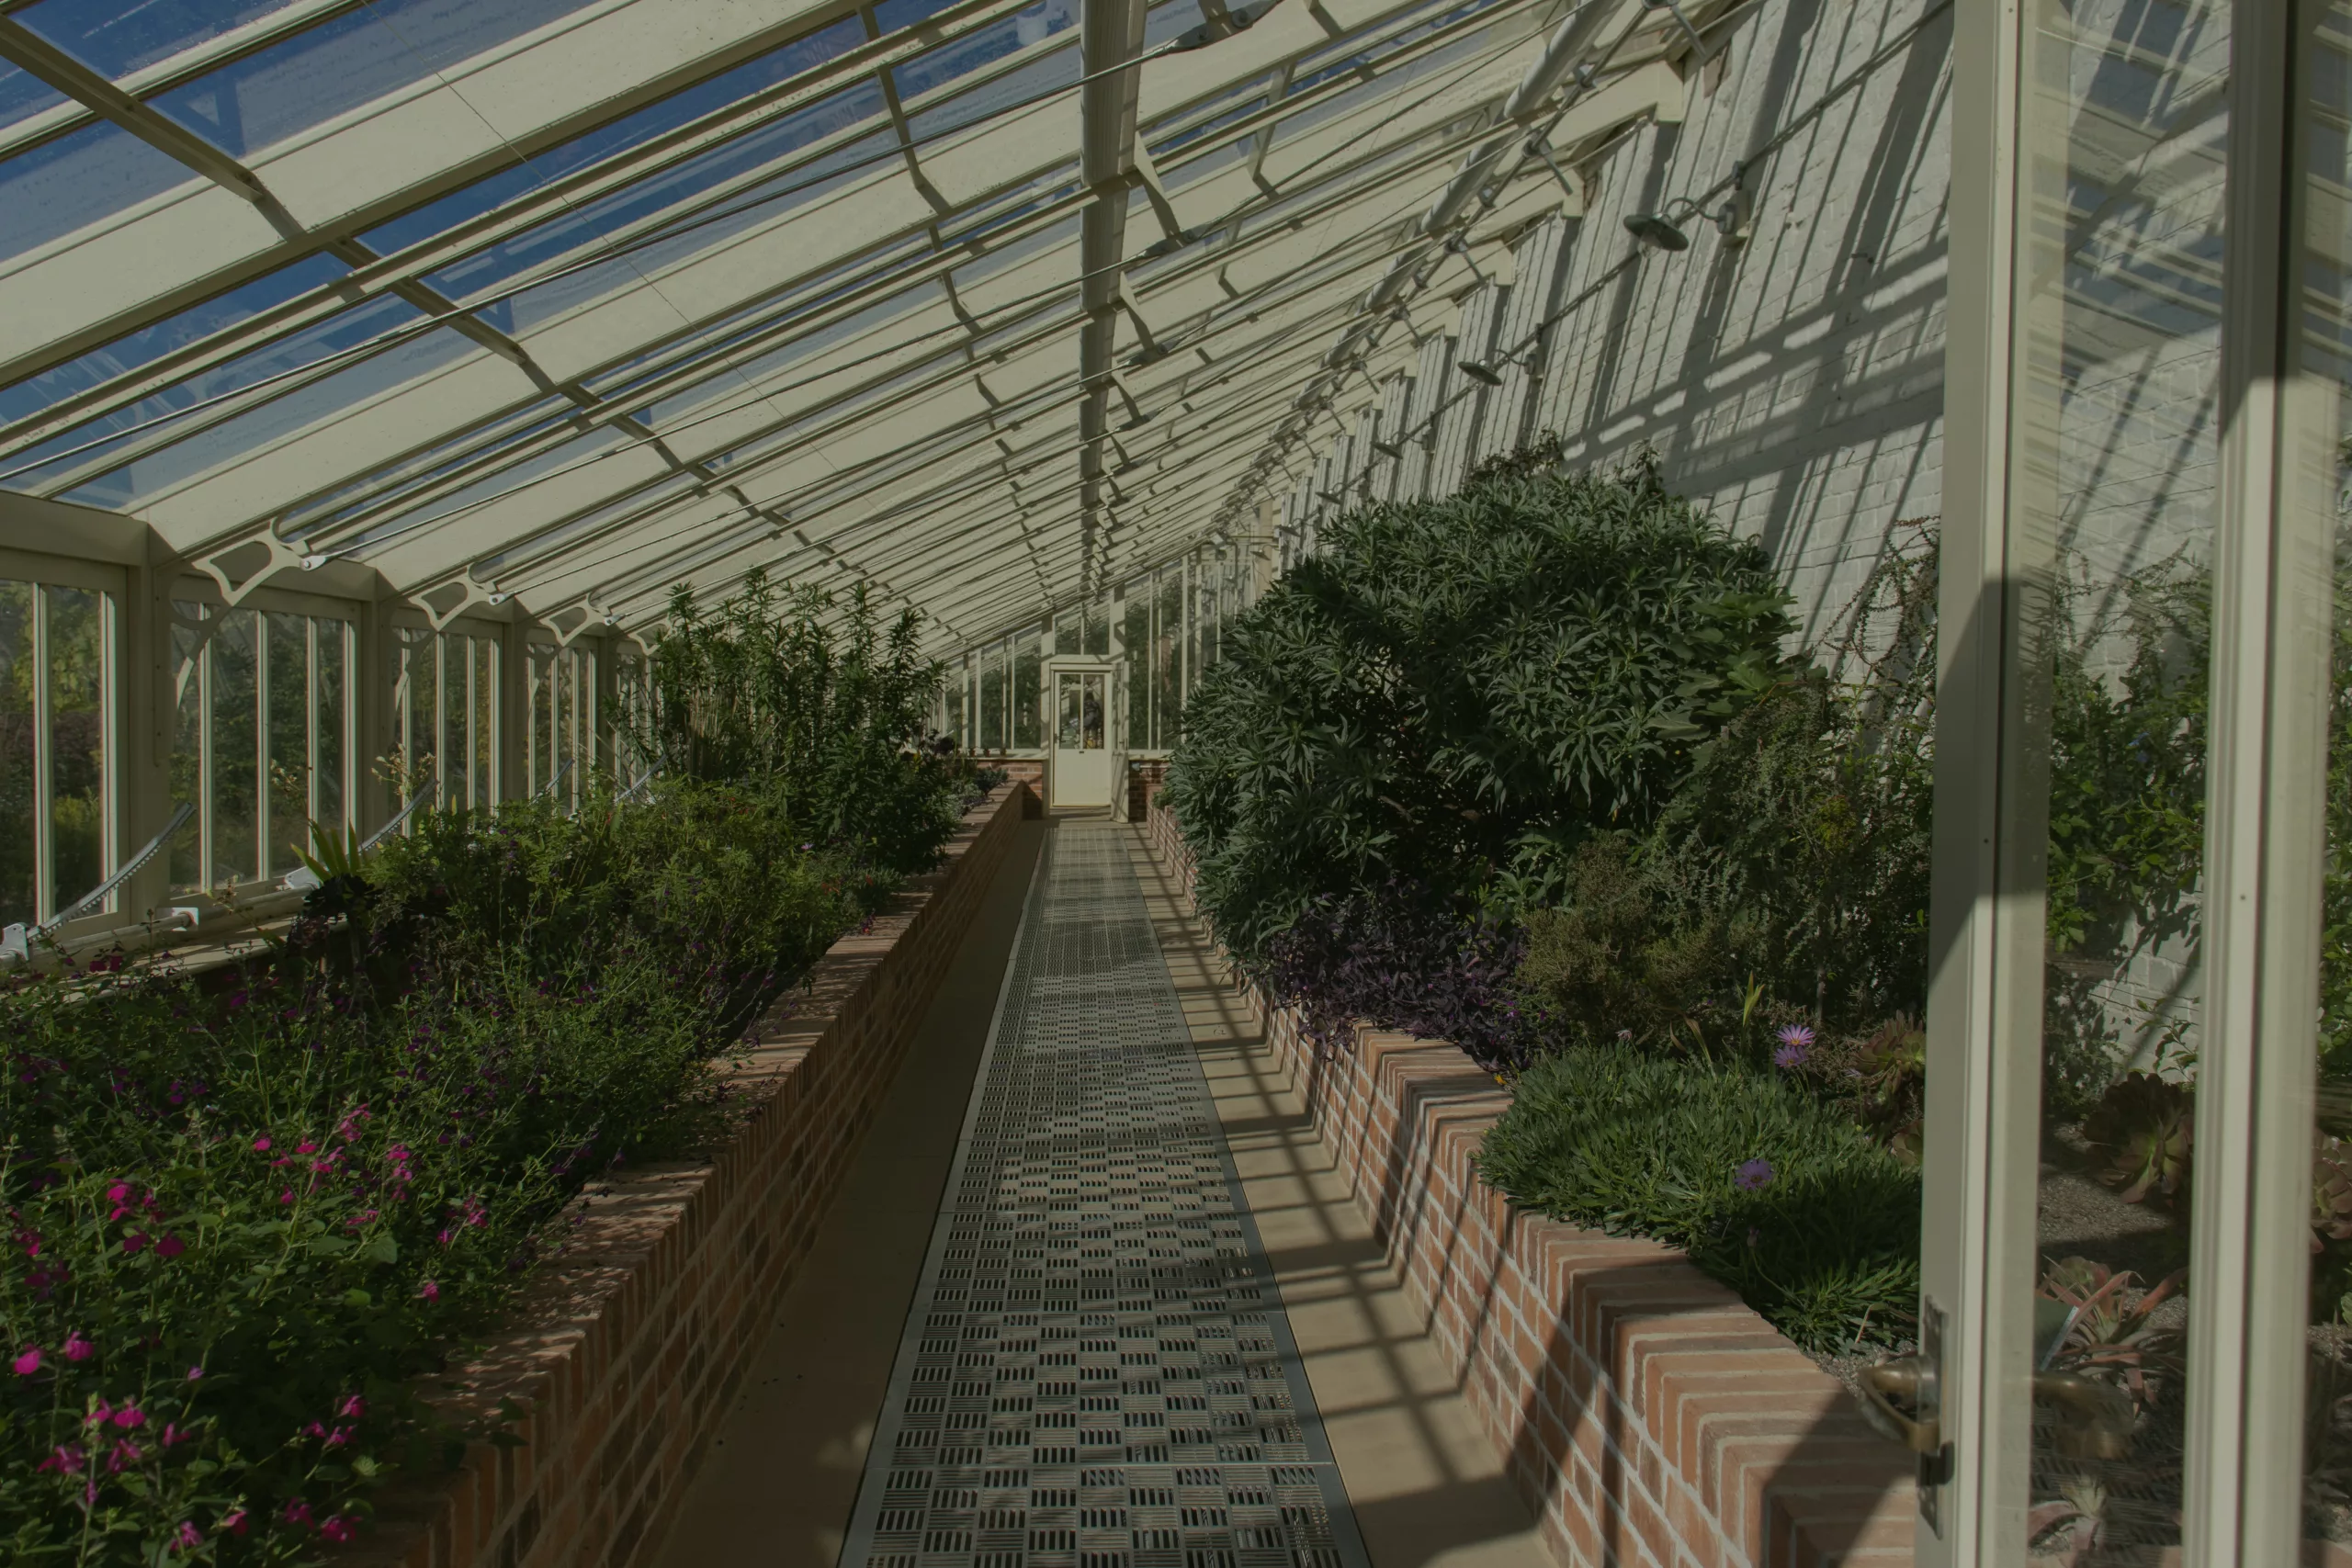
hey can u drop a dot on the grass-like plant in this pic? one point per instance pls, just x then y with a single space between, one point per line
1775 1193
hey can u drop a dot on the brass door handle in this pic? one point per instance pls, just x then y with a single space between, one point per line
1898 1377
2096 1418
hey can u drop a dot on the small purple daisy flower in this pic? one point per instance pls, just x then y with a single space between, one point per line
1752 1175
1796 1045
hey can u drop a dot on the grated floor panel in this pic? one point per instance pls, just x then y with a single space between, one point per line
1096 1372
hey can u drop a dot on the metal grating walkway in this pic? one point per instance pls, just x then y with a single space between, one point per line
1096 1372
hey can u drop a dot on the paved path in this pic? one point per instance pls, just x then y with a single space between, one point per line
1097 1372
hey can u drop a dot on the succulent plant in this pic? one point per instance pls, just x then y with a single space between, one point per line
2143 1126
2331 1192
1890 1070
2110 1331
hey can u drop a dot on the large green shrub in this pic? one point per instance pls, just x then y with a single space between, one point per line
1457 693
806 695
1781 1197
1787 876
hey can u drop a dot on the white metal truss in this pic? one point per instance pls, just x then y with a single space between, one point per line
962 302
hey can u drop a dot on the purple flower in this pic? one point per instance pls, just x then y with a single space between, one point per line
29 1363
170 1246
1753 1174
78 1349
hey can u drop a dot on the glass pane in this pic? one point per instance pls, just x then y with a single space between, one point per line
290 740
328 710
77 740
2112 535
1135 633
1066 711
233 757
540 762
188 742
343 62
456 705
1069 629
485 722
992 698
1026 665
1098 629
1167 659
2327 356
1093 705
418 705
18 886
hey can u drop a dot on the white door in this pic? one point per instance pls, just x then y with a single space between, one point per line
1082 773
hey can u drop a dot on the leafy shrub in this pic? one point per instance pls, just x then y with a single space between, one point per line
246 1208
1776 1194
808 696
1786 877
1459 692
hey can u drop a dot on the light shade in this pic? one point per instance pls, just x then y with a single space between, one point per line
1651 229
1482 374
1388 449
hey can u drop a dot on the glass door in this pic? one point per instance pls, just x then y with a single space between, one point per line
2138 1242
1082 776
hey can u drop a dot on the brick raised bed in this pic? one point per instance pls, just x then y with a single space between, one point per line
625 1351
1646 1414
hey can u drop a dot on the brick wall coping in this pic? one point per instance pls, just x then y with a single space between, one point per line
1648 1415
624 1350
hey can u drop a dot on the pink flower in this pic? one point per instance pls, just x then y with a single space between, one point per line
175 1435
100 1413
126 1453
429 1290
78 1349
336 1529
118 1192
170 1246
188 1537
261 1146
130 1415
297 1512
194 1373
352 1407
29 1363
65 1459
306 1147
339 1437
135 1241
234 1521
287 1196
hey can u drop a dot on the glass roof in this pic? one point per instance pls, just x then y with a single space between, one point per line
986 302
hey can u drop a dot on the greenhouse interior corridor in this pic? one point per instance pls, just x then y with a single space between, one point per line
1138 1199
1176 784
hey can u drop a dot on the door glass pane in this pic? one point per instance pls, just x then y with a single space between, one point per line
290 740
233 758
327 700
78 734
2327 98
2115 483
1091 710
1066 707
18 887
